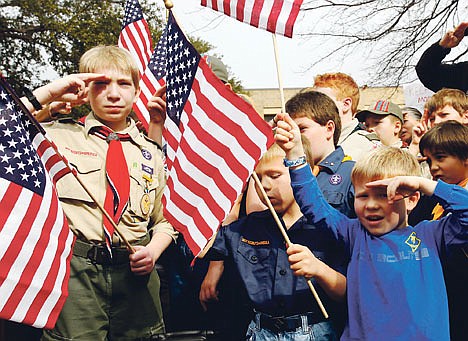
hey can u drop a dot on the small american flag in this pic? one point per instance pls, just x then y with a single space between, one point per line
135 37
214 141
35 241
276 16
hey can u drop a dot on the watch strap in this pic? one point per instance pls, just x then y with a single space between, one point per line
294 163
32 99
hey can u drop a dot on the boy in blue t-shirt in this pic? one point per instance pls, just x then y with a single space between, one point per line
395 283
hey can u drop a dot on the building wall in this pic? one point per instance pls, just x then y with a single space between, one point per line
268 101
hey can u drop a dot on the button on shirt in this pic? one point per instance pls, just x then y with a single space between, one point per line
259 252
87 154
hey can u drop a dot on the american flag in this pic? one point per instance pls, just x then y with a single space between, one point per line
276 16
135 37
214 141
35 241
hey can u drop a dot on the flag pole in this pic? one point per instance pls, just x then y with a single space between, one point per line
278 73
42 131
288 241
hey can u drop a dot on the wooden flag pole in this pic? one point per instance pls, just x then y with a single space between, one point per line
288 241
42 131
278 73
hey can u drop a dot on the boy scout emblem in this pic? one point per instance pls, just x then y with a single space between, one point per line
413 242
145 204
146 154
335 179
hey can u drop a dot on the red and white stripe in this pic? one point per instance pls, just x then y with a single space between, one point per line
136 38
210 156
276 16
35 251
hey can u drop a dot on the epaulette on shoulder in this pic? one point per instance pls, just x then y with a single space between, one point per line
69 120
152 142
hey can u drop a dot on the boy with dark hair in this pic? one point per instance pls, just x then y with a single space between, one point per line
319 122
395 283
445 105
446 149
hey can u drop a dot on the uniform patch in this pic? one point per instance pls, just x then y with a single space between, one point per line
335 179
413 242
255 243
146 154
147 169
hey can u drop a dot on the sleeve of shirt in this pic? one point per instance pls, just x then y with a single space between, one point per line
314 206
434 74
454 200
220 249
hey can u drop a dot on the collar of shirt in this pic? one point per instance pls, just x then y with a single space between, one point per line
333 161
348 129
132 130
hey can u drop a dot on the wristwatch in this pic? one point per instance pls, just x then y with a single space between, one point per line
32 99
294 163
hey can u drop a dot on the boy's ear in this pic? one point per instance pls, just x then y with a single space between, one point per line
347 104
412 201
398 126
330 128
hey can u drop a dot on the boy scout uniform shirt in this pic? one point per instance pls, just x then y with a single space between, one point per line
86 152
357 142
258 249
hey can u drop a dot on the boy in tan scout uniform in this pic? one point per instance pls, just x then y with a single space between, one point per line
110 297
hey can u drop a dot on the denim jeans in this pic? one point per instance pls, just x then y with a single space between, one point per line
322 331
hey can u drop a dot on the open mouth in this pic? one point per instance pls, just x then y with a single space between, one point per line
373 219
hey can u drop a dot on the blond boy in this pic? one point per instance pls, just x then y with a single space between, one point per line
395 282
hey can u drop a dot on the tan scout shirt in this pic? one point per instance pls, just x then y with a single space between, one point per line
359 143
87 153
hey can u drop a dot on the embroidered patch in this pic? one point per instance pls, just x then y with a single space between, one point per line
335 179
413 242
255 243
146 154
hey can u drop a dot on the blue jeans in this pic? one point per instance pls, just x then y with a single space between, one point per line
322 331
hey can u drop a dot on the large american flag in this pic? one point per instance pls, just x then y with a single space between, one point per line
35 241
276 16
214 141
135 37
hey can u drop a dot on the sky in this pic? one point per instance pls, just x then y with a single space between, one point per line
249 51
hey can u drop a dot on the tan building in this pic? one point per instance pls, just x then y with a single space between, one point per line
268 101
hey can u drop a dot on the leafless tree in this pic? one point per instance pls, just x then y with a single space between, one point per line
390 34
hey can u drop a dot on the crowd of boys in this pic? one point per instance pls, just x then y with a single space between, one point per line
341 184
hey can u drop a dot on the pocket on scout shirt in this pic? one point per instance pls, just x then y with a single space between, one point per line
88 170
142 193
333 198
255 269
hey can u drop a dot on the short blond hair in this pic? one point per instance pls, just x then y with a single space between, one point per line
383 163
110 57
273 152
343 84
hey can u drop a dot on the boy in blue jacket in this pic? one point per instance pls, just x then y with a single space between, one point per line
395 283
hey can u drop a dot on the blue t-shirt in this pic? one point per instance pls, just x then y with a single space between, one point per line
395 283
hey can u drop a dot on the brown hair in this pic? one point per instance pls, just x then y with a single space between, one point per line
316 106
449 137
343 84
453 97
